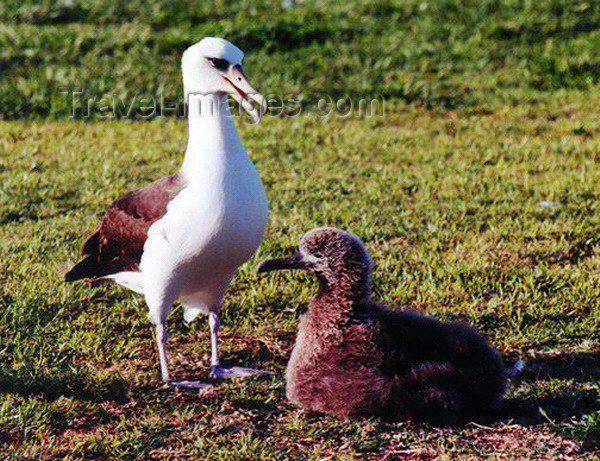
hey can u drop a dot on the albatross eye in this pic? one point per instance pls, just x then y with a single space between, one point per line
219 64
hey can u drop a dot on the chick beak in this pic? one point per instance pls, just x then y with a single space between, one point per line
294 261
240 89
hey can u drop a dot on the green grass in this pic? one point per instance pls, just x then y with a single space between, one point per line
441 53
492 108
448 204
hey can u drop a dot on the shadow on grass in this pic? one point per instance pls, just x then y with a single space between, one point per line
535 411
270 352
261 405
566 402
27 381
582 367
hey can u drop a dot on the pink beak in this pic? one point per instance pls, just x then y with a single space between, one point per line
240 89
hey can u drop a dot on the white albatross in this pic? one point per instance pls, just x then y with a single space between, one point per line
183 236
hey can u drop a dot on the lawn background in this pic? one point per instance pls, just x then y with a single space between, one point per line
491 109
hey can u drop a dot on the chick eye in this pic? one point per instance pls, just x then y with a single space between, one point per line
318 255
219 64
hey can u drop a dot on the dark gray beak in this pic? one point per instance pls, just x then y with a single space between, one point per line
294 261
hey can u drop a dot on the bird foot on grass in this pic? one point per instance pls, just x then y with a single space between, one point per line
220 372
190 384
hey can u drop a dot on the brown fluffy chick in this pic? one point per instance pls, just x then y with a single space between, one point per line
354 357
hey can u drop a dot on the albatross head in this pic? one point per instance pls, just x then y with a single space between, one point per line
338 258
214 66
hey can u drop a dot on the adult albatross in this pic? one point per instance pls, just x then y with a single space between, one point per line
183 236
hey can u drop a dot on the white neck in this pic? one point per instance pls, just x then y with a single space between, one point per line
213 137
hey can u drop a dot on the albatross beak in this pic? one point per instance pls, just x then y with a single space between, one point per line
294 261
240 89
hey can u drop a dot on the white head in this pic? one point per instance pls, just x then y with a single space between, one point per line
214 66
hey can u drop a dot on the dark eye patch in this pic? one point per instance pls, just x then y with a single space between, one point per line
220 64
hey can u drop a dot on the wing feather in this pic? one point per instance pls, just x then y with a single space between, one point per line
118 243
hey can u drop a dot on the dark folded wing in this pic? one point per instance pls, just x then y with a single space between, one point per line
118 243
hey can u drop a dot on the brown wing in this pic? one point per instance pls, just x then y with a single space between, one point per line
118 243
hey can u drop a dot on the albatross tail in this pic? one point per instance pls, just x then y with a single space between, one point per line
86 268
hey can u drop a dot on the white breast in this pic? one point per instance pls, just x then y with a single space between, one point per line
211 228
